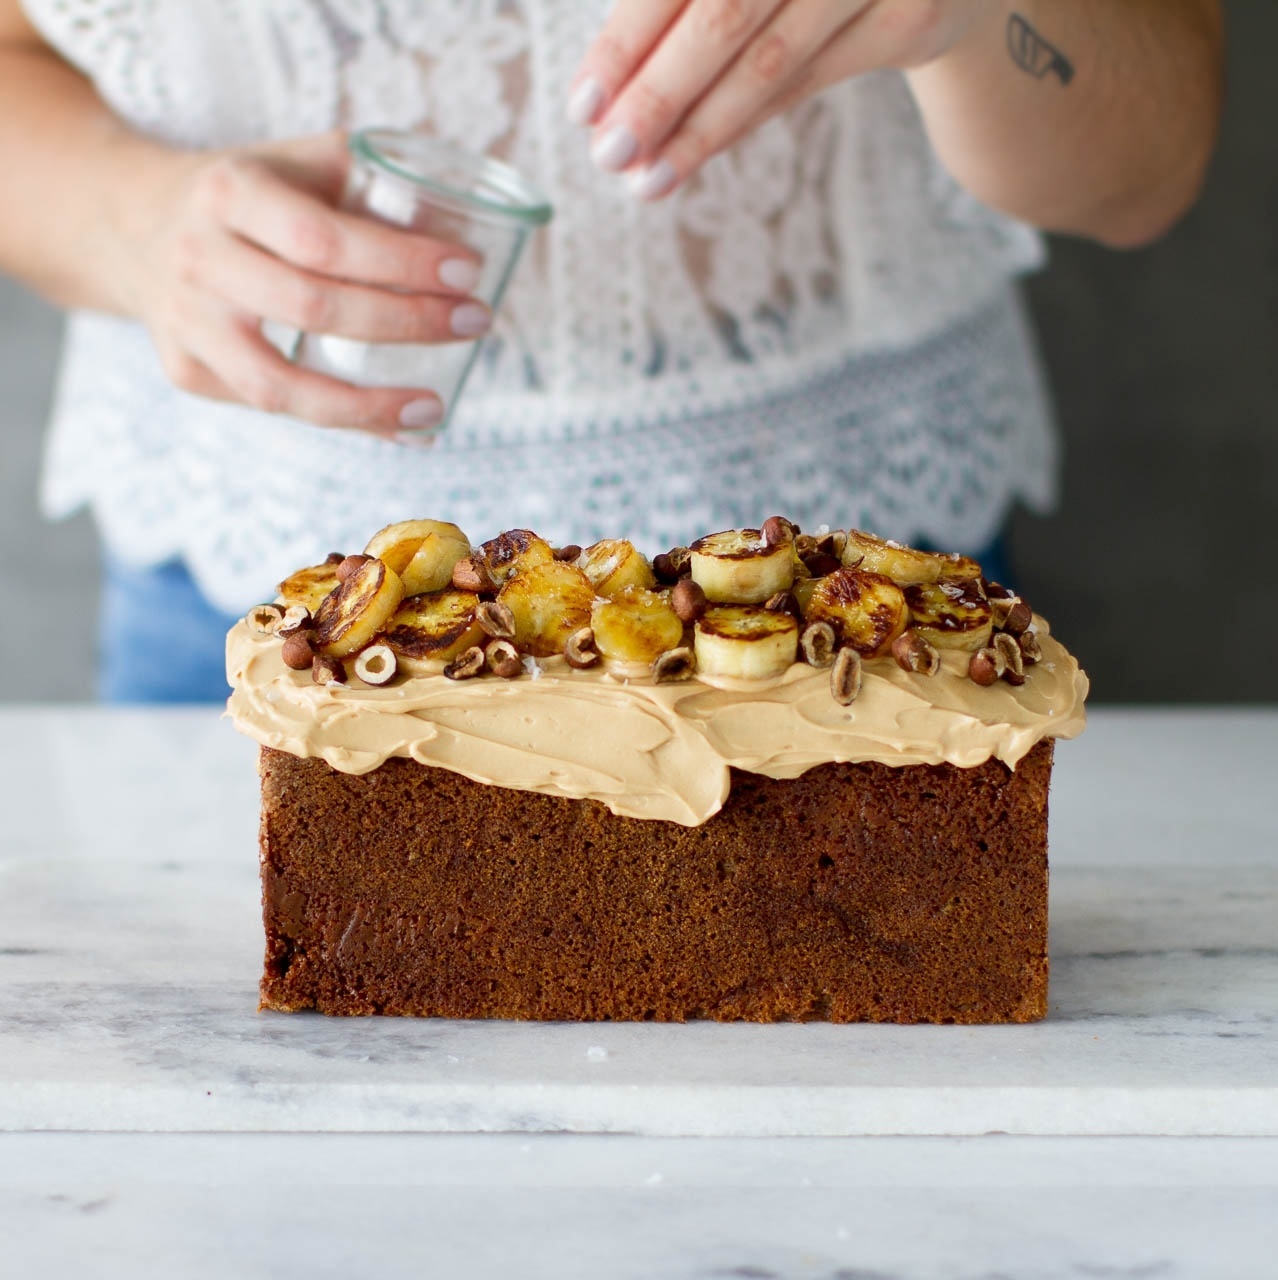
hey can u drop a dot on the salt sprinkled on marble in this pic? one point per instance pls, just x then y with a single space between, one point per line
596 1053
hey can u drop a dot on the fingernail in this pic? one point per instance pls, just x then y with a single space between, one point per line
417 439
421 415
585 102
615 149
652 181
459 274
470 320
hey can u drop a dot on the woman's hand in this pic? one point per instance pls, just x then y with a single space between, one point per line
232 239
669 83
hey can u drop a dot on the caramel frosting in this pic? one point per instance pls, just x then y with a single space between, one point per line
646 750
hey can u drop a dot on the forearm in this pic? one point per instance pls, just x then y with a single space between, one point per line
1095 118
78 185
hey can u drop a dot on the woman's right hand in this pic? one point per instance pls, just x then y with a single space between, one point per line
230 239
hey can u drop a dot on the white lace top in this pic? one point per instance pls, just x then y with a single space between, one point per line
822 323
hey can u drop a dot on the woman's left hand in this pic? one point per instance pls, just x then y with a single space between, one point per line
669 83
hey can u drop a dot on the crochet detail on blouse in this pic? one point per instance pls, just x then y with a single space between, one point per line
830 240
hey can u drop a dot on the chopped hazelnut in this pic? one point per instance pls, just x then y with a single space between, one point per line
469 664
675 664
580 650
845 677
376 665
818 643
503 660
326 670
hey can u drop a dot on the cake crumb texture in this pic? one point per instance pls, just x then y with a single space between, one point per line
856 892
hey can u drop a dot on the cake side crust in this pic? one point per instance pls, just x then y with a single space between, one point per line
856 892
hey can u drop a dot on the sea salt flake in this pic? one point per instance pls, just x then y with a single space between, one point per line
596 1053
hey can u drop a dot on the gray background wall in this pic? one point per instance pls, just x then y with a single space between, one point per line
1160 568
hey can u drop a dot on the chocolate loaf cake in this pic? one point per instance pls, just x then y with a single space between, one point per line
767 777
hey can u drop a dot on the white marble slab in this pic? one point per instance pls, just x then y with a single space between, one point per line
552 1207
130 947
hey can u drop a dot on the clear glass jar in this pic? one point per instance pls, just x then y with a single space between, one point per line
412 180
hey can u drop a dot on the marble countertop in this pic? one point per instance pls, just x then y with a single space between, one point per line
136 1077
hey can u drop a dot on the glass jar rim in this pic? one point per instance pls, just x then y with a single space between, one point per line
510 197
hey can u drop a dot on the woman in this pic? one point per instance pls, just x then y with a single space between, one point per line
781 275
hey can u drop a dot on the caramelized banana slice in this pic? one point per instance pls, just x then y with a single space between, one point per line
635 626
308 587
903 565
952 613
441 626
745 641
866 610
739 566
350 616
422 552
549 602
614 565
513 552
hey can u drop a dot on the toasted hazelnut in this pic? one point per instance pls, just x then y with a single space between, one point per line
580 650
469 664
1001 606
297 618
688 600
326 670
264 619
783 602
680 561
986 666
996 591
916 654
674 664
471 574
1031 650
350 565
776 530
334 557
1010 648
817 644
833 544
819 563
377 664
569 553
845 677
664 569
502 659
496 620
805 545
298 652
1019 616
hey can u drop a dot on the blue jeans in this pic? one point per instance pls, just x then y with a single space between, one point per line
159 640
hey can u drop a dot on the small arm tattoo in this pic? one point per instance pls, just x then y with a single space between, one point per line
1033 54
